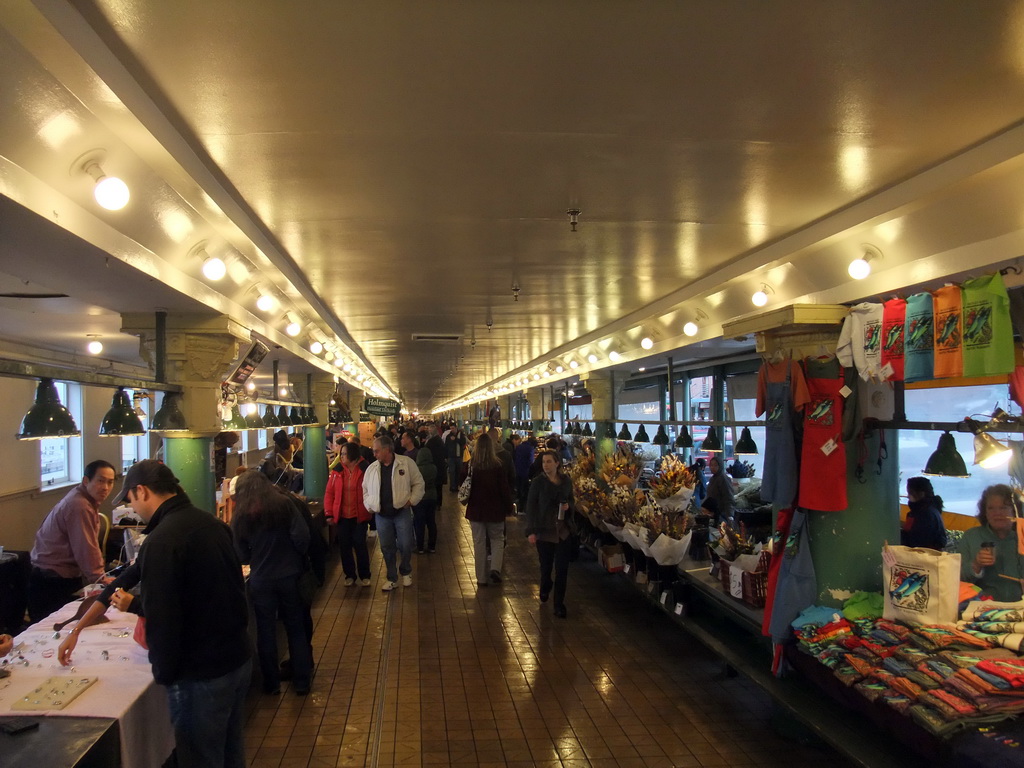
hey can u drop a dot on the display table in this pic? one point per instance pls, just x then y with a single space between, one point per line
124 689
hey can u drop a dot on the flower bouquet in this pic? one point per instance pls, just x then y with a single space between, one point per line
673 484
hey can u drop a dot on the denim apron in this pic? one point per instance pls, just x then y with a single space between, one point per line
779 485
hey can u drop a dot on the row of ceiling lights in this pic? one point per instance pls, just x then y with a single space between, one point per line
112 193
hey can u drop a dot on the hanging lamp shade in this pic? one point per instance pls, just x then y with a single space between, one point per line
47 418
946 461
236 421
296 417
684 440
641 435
169 417
587 432
311 413
989 452
270 420
624 433
712 443
121 420
253 420
661 436
577 429
283 419
746 445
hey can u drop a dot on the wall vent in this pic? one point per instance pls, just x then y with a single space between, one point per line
443 338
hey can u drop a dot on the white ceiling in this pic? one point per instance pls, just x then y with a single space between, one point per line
393 168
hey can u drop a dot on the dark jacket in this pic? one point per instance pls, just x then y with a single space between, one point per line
193 595
274 551
490 500
427 468
506 464
522 459
926 526
542 507
454 445
437 451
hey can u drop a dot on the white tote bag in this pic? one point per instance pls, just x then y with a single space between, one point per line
921 585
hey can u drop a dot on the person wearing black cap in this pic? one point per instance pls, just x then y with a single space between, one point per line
193 597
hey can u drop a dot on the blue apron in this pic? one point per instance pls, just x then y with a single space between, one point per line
779 484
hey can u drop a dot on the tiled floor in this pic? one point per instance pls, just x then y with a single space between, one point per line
443 674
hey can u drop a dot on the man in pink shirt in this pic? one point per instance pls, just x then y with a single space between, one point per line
67 553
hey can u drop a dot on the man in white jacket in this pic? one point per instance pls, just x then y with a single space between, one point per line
391 486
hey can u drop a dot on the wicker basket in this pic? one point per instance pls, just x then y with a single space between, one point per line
754 584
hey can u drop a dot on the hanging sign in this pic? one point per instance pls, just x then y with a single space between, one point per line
379 406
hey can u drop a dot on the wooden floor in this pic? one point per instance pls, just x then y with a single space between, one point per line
441 673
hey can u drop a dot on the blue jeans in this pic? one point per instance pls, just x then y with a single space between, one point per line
270 599
207 716
395 535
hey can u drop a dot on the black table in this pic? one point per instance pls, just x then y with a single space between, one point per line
63 742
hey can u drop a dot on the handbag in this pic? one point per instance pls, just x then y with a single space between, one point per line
921 585
139 635
466 488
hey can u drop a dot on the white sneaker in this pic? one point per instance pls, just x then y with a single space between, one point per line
349 582
364 582
388 586
407 580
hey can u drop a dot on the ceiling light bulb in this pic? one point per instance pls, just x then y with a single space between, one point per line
647 342
546 373
293 329
859 268
94 347
614 356
569 393
536 376
283 391
328 355
250 408
111 193
559 369
573 364
760 298
690 329
316 347
591 358
250 385
214 268
266 303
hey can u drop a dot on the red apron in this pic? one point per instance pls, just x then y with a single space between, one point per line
823 474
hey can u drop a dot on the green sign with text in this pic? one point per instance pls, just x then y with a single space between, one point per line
378 406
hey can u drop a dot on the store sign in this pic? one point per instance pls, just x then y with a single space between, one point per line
378 406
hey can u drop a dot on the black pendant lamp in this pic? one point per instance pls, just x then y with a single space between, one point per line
711 443
253 420
311 413
624 433
121 420
283 420
47 418
661 437
169 417
235 421
296 417
684 439
746 446
270 420
587 432
641 435
946 461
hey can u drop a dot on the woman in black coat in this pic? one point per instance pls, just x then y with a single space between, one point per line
924 526
549 510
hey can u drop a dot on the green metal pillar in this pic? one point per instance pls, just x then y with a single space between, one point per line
847 546
314 462
191 460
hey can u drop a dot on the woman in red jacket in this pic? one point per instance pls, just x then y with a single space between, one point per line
343 503
490 501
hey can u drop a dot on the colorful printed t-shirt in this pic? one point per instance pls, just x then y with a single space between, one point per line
893 316
948 326
860 341
988 335
918 338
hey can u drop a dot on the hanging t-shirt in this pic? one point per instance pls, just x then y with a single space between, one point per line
860 341
823 454
988 335
949 332
918 338
894 315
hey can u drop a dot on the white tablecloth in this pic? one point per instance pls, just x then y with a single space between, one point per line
124 689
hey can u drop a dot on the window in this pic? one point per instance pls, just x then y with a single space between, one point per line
136 447
60 460
741 397
261 438
916 446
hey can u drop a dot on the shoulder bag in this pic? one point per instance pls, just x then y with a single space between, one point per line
466 488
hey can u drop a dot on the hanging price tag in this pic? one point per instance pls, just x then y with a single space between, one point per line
830 446
627 568
845 391
888 557
664 598
886 372
679 609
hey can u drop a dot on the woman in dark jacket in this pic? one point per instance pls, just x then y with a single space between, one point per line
272 537
424 514
490 502
549 510
924 526
720 489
